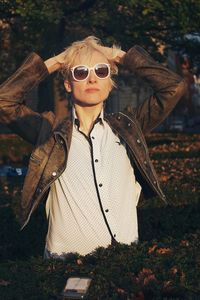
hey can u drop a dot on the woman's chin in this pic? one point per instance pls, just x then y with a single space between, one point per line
88 103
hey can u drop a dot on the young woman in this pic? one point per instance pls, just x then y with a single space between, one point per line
94 167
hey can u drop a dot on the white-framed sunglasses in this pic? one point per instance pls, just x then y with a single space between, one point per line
81 72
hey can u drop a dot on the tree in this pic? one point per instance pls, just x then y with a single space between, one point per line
48 26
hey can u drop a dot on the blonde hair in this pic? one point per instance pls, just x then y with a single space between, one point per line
87 46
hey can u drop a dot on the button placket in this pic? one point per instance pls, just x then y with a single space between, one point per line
96 154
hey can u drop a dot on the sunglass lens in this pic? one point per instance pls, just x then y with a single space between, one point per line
101 70
80 73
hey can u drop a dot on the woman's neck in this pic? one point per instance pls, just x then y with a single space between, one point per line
87 116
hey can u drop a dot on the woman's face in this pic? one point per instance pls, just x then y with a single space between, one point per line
92 91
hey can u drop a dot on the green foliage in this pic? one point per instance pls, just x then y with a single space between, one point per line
49 26
151 270
163 265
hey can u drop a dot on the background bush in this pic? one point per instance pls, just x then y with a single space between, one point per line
165 264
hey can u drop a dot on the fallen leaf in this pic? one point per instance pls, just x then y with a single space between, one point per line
164 251
164 178
4 282
79 262
145 276
174 270
149 278
166 284
120 291
152 249
185 243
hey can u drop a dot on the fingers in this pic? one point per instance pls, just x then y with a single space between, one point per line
114 53
52 65
60 58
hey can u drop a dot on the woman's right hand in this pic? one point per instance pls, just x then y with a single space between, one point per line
54 63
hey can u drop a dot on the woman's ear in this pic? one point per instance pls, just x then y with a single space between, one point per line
67 86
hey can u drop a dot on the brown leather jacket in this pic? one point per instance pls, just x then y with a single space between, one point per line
52 137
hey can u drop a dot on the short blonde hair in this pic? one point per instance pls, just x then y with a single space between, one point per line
88 46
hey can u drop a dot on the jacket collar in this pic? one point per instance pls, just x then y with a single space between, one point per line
64 129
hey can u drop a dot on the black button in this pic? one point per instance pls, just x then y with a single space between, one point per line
93 137
100 184
107 210
96 160
114 235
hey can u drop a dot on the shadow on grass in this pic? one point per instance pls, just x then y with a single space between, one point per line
17 244
154 223
172 221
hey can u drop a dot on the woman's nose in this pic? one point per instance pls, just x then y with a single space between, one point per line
92 77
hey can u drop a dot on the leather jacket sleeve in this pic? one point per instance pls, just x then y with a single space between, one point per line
168 88
13 112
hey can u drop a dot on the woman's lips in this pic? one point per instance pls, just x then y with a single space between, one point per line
92 90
